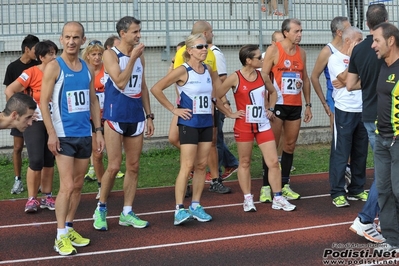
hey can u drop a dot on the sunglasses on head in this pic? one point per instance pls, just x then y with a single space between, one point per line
95 42
200 46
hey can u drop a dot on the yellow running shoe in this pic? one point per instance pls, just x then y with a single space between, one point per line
64 246
265 194
120 174
288 193
76 239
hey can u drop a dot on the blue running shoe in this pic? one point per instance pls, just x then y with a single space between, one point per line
181 216
199 214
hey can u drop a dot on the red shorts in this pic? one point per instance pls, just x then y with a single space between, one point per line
260 137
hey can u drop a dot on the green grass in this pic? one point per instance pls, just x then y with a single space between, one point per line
160 168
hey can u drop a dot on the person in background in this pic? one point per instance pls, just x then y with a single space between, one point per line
91 174
14 69
41 161
359 6
18 112
337 25
112 41
287 61
349 135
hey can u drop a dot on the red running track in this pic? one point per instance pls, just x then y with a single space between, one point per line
233 237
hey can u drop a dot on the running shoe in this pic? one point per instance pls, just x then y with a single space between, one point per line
288 193
367 231
249 204
18 186
265 194
181 216
76 239
208 177
91 175
361 196
98 193
340 201
31 205
100 219
199 214
133 220
282 203
218 187
228 171
64 246
119 175
47 202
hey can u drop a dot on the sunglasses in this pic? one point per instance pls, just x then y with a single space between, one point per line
259 57
200 46
95 42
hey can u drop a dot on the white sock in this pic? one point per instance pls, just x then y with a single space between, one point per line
247 196
61 231
126 210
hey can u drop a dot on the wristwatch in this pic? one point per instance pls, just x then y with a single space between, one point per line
150 116
271 109
308 104
99 129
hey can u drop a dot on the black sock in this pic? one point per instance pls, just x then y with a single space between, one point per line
265 173
286 163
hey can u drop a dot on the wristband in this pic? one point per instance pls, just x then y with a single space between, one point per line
150 116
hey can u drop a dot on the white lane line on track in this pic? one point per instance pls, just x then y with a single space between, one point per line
145 213
178 244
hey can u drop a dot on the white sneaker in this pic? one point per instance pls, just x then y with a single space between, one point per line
98 194
282 204
249 204
367 231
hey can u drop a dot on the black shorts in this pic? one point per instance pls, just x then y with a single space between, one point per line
288 112
77 147
16 133
192 135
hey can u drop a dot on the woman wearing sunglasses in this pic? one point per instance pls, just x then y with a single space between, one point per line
250 89
194 82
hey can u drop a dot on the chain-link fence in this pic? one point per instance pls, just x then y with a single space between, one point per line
166 23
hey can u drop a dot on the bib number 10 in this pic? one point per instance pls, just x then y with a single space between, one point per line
78 101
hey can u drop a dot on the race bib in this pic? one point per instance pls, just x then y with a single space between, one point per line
101 97
255 114
291 83
78 101
202 104
133 87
